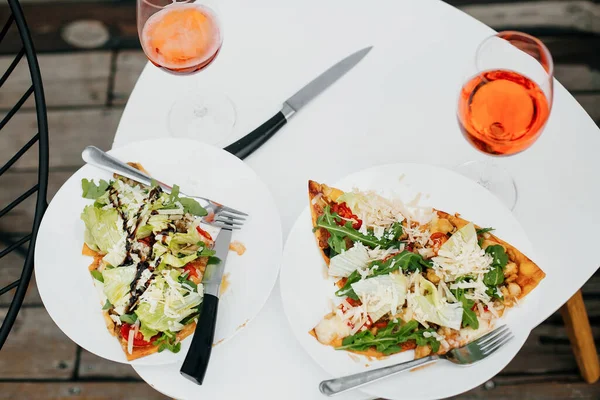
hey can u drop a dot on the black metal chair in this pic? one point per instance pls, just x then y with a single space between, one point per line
41 139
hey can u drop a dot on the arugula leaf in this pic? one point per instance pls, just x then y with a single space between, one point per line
213 260
388 339
483 230
347 290
406 260
499 256
338 233
167 341
192 206
206 252
97 275
494 277
183 279
469 318
91 190
129 318
107 305
189 205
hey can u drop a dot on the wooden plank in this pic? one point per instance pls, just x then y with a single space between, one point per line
70 132
36 349
69 79
546 351
578 77
47 22
92 366
581 16
129 66
547 390
79 390
13 184
11 267
591 104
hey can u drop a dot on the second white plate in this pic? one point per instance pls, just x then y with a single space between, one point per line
306 291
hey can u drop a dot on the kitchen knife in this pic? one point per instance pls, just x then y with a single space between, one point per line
196 361
252 141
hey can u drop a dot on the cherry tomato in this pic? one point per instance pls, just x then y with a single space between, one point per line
380 324
353 302
191 269
138 339
204 233
344 211
438 240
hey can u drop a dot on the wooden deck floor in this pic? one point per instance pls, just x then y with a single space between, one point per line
86 90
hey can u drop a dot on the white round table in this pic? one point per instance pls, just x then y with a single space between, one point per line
397 105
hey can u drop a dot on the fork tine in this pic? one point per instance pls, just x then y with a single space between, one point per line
234 211
231 216
225 226
229 221
491 343
492 350
491 335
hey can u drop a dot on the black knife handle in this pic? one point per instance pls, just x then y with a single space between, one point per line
196 361
252 141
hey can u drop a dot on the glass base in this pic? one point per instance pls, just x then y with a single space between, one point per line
202 115
492 177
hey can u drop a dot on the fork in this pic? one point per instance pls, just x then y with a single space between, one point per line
467 354
218 215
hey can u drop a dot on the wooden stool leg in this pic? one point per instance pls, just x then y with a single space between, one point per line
580 334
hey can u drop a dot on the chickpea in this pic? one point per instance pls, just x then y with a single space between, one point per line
422 351
504 291
432 277
511 278
442 225
514 289
510 269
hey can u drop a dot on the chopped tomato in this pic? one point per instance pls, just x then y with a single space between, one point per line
353 302
380 324
485 308
138 339
344 211
191 269
147 241
438 240
204 233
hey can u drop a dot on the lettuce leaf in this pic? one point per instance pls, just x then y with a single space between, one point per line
344 264
103 228
180 308
433 309
117 282
92 191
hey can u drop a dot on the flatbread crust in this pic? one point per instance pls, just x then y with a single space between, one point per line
319 196
529 273
139 352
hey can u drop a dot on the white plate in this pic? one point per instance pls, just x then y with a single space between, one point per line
303 277
62 276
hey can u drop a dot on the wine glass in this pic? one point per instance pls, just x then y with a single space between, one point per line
184 37
504 105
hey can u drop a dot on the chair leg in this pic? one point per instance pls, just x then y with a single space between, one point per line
578 328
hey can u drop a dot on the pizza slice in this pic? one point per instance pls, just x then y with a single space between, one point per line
149 255
411 277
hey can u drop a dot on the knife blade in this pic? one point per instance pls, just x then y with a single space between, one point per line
196 361
252 141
